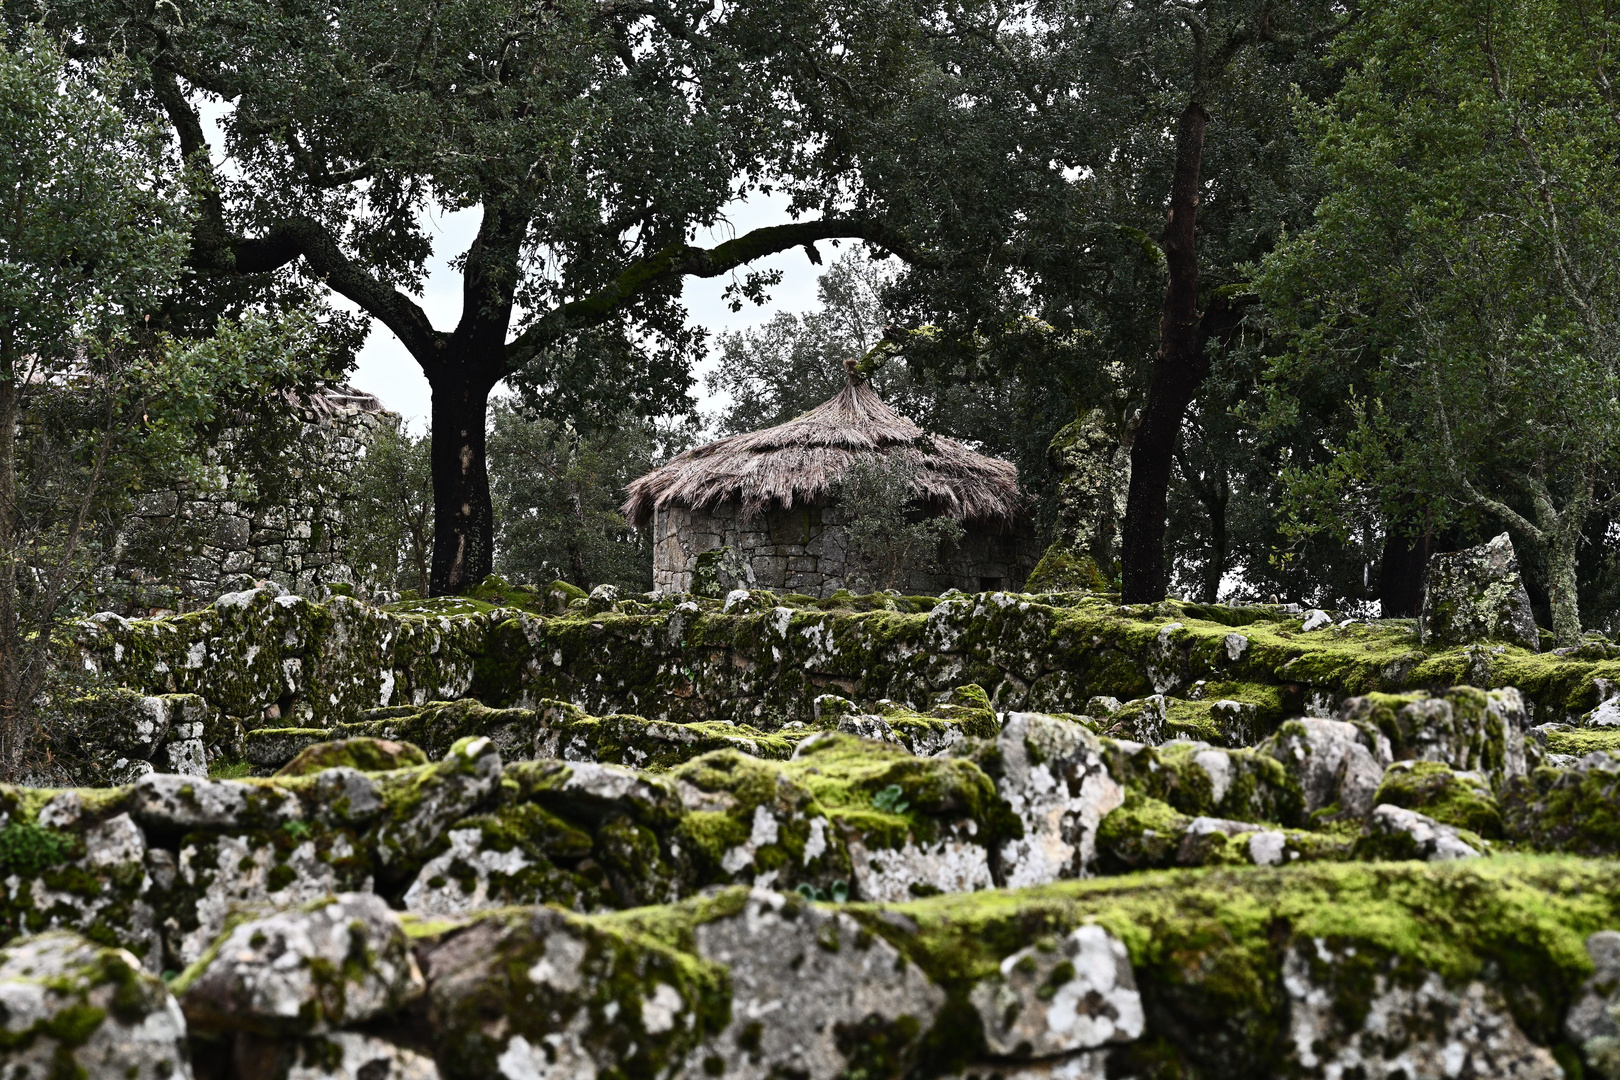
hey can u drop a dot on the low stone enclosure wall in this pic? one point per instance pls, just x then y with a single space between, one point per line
519 835
1225 675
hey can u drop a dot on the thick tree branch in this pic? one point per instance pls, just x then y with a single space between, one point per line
683 260
213 248
490 278
310 240
210 242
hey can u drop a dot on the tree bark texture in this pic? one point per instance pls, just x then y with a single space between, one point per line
1177 370
14 709
1561 590
464 519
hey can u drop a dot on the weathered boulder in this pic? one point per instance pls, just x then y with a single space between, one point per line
1056 997
1462 799
1593 1021
846 813
1396 833
81 862
1382 1018
352 1055
365 754
813 994
1337 765
1463 727
507 857
334 962
1199 779
535 992
1053 776
117 736
216 876
1147 834
167 804
1575 810
422 803
1477 595
73 1008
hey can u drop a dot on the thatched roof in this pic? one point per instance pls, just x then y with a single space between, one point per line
800 462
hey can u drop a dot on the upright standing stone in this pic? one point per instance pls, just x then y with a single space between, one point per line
1477 595
1095 469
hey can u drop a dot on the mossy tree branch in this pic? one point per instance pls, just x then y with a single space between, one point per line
683 260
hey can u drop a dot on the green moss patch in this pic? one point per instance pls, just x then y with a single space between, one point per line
1582 741
1463 800
1209 943
365 754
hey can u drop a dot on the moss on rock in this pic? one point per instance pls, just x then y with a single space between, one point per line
569 993
1573 810
367 755
1461 799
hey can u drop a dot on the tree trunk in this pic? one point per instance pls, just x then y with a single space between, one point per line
576 550
1562 596
1400 571
1177 370
13 706
464 520
1215 569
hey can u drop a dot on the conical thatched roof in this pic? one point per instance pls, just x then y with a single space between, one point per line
800 462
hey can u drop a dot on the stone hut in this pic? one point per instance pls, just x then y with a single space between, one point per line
270 505
767 501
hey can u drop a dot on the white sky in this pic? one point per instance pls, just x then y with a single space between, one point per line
385 369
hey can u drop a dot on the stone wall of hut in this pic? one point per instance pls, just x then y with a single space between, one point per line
807 550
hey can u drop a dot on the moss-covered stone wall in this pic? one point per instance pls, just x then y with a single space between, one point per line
1225 675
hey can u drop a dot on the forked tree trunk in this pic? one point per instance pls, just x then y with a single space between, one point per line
1177 370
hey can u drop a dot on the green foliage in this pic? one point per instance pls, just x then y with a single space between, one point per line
1457 292
557 495
837 892
28 850
390 512
95 217
891 800
886 526
97 402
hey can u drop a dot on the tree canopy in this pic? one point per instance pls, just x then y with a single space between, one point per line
1459 287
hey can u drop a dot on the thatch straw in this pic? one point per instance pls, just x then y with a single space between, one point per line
801 462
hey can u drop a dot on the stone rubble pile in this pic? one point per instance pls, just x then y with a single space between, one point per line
907 841
369 909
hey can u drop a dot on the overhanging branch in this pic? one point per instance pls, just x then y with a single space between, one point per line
310 240
683 260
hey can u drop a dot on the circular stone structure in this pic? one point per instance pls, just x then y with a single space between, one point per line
771 498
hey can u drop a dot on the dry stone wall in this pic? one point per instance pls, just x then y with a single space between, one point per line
284 670
827 841
268 506
807 550
377 923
